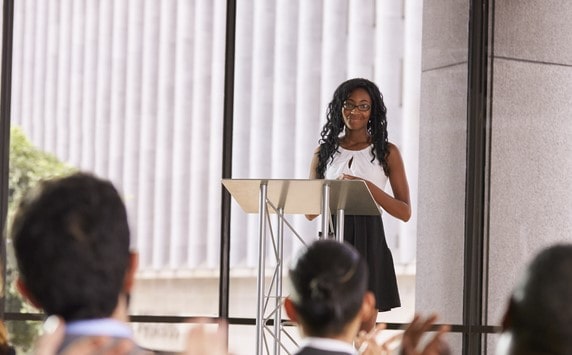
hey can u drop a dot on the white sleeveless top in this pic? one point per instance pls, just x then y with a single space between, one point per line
360 166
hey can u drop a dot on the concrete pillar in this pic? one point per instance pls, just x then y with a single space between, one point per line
531 140
442 150
530 150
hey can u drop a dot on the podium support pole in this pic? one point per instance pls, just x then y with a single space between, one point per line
340 225
325 209
278 290
261 267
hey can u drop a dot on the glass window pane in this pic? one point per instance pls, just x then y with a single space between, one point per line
133 92
290 57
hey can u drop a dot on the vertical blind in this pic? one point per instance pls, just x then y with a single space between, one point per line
132 90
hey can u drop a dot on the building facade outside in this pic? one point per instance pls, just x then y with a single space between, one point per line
133 91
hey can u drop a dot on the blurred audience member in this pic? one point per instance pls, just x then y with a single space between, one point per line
329 300
71 240
538 319
329 297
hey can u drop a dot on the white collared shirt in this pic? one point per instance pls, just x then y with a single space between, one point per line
328 345
100 327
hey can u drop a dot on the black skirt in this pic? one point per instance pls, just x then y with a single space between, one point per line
367 235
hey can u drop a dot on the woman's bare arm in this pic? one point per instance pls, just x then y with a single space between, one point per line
398 205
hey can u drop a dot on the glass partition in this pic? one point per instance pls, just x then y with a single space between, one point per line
290 57
133 92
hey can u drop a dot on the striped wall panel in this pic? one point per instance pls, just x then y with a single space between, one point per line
133 90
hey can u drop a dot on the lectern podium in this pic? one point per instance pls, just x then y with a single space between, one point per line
295 196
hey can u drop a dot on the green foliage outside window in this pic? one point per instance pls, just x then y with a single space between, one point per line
28 166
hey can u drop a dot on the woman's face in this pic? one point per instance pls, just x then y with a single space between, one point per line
356 110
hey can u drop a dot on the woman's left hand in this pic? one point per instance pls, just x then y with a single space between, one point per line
349 177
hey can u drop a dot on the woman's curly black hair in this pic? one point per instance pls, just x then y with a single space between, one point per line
377 125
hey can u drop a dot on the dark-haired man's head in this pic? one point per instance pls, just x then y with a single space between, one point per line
328 290
539 316
71 239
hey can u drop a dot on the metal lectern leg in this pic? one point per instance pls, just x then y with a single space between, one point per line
325 209
261 267
340 225
278 290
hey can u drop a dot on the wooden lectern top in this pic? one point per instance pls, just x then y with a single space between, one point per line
304 196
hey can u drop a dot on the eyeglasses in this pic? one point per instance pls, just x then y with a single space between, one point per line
362 107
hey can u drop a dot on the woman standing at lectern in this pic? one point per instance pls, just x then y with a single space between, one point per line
354 146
